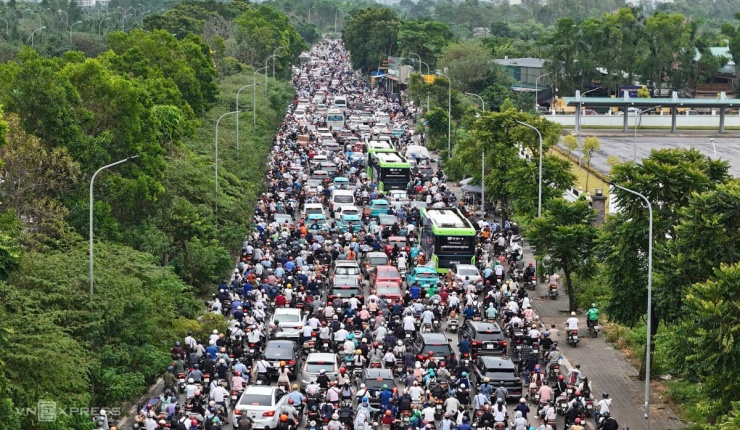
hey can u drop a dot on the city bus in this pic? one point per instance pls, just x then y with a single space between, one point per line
389 170
447 237
335 119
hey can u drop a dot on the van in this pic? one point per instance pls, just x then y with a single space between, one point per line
340 102
340 198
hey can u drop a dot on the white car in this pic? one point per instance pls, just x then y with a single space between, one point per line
398 198
291 323
262 404
347 210
315 363
467 271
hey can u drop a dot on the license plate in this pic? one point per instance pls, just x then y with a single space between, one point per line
233 397
489 346
276 364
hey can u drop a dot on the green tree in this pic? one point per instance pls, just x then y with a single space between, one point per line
590 145
371 35
565 233
570 143
668 178
425 37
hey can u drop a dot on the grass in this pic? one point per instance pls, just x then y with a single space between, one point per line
594 181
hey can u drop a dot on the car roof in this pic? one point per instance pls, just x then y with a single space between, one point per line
493 362
484 326
434 338
260 389
379 201
280 344
376 254
316 357
387 268
466 266
287 311
379 373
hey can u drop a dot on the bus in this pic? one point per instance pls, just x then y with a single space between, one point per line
447 237
335 119
389 170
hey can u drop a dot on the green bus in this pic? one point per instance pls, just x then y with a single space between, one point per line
447 237
389 170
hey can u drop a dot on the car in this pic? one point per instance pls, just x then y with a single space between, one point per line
345 292
386 223
327 166
315 363
349 222
436 343
424 170
418 204
385 273
588 112
346 268
284 220
398 198
397 132
348 210
282 350
501 371
372 260
320 175
426 276
340 182
312 209
291 323
388 290
374 379
393 241
486 338
468 272
317 222
262 404
379 206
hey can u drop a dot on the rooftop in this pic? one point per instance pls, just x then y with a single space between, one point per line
520 62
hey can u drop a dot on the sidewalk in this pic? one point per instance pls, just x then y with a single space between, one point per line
606 368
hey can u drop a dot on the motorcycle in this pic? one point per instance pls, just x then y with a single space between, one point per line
262 379
562 405
553 376
553 291
452 324
531 283
324 346
589 408
573 338
593 328
436 325
181 381
235 394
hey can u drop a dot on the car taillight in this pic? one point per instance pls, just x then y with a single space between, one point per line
477 343
238 412
290 362
503 344
269 414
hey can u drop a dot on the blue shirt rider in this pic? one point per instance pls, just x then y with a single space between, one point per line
465 346
415 290
469 312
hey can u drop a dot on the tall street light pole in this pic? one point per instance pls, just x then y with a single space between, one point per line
100 25
637 116
449 114
539 187
274 54
537 88
713 147
66 17
34 32
254 97
92 182
482 103
419 57
649 300
216 158
70 31
237 109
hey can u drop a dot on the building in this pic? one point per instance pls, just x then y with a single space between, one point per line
725 79
529 76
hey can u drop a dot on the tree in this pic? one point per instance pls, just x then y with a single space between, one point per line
371 35
570 143
565 233
510 179
424 37
590 145
668 178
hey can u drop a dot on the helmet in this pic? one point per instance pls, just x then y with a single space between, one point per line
215 331
442 364
375 344
400 342
500 401
191 381
546 334
323 371
561 377
358 352
335 417
593 305
486 379
530 263
197 393
578 393
388 413
295 386
283 418
572 314
522 400
351 336
177 343
282 364
537 368
385 387
237 373
464 374
364 399
290 401
431 353
342 370
578 420
605 394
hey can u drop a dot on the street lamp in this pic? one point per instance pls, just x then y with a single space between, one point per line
634 141
649 300
482 103
537 88
100 25
66 17
578 113
274 54
419 57
254 96
539 187
216 158
70 31
237 109
309 14
449 114
92 182
336 12
34 32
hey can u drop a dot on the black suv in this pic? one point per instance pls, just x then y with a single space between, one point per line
282 350
374 379
501 371
434 342
486 338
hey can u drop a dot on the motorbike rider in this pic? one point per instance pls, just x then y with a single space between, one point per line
559 386
571 323
608 423
603 407
577 425
520 423
499 411
592 316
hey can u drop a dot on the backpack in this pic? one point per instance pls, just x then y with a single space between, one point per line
578 406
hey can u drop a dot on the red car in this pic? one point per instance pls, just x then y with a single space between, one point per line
395 240
389 290
385 273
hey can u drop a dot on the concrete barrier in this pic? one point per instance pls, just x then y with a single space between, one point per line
617 121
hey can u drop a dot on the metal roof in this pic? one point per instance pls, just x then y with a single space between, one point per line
587 102
521 62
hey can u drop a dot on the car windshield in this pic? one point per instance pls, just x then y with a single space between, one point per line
426 275
274 353
318 367
380 204
287 318
500 374
485 336
351 211
466 271
377 261
387 219
375 384
348 270
441 349
256 400
400 244
314 211
343 199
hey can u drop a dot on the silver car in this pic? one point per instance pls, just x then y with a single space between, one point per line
262 404
291 323
315 363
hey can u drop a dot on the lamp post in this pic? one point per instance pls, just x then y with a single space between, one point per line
482 103
449 114
336 12
100 24
634 141
428 73
274 54
649 300
34 32
92 182
216 159
578 114
539 187
237 109
419 57
537 88
66 17
254 96
713 147
70 31
309 14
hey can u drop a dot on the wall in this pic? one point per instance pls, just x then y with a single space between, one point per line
646 120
